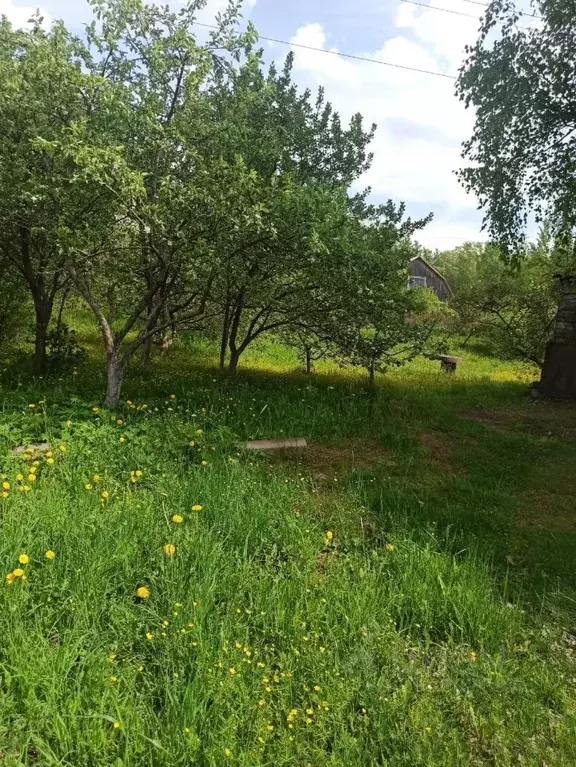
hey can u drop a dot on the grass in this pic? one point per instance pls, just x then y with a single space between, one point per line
401 594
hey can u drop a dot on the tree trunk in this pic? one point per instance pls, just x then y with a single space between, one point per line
308 358
225 337
43 312
115 371
559 370
233 362
146 352
371 375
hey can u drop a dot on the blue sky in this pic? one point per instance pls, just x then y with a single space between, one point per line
421 122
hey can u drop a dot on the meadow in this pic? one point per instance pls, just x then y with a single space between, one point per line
400 593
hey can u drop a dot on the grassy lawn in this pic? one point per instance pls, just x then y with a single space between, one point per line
402 593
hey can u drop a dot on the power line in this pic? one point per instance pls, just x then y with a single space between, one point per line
446 10
344 55
487 5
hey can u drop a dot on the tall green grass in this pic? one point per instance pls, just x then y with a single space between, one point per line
368 617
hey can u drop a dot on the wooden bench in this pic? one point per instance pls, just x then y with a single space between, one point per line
448 364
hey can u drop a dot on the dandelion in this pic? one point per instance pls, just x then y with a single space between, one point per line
138 473
169 549
19 478
88 486
3 494
62 448
177 519
69 424
227 753
149 636
50 554
199 431
192 443
10 578
18 572
473 656
49 454
187 730
389 547
5 485
32 478
143 592
329 536
105 495
23 559
261 702
96 479
95 409
197 507
113 679
317 688
25 489
50 461
31 405
172 397
122 440
119 422
116 725
204 463
34 468
232 671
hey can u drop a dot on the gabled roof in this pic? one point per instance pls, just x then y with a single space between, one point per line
433 269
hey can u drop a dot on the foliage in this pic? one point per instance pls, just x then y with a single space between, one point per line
64 351
520 83
512 309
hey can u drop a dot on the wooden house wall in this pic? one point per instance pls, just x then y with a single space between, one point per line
419 268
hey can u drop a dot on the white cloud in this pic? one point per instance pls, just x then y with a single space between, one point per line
421 122
20 14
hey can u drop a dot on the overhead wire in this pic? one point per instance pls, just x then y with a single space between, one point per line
343 55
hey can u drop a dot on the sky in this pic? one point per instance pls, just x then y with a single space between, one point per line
421 123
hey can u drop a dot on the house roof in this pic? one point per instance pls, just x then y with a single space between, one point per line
433 269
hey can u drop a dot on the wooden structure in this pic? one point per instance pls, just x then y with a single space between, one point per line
265 445
559 371
424 275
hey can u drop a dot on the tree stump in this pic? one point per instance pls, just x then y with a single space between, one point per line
448 364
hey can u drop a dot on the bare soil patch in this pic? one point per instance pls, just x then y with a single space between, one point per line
440 449
324 460
553 419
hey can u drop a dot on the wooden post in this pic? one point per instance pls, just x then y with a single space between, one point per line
559 371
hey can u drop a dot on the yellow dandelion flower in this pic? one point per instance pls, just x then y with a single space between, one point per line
270 728
116 725
172 397
95 409
177 519
232 671
5 485
329 535
49 454
3 494
10 578
199 431
18 572
389 547
32 478
260 664
149 636
105 495
122 440
25 489
143 592
23 559
119 422
49 554
19 478
192 443
197 507
34 468
187 730
204 463
113 679
50 461
227 753
138 473
261 702
169 549
62 448
96 479
32 405
69 424
88 486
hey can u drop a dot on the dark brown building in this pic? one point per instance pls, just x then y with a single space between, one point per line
424 275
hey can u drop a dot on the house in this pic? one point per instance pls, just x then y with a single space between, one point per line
424 275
